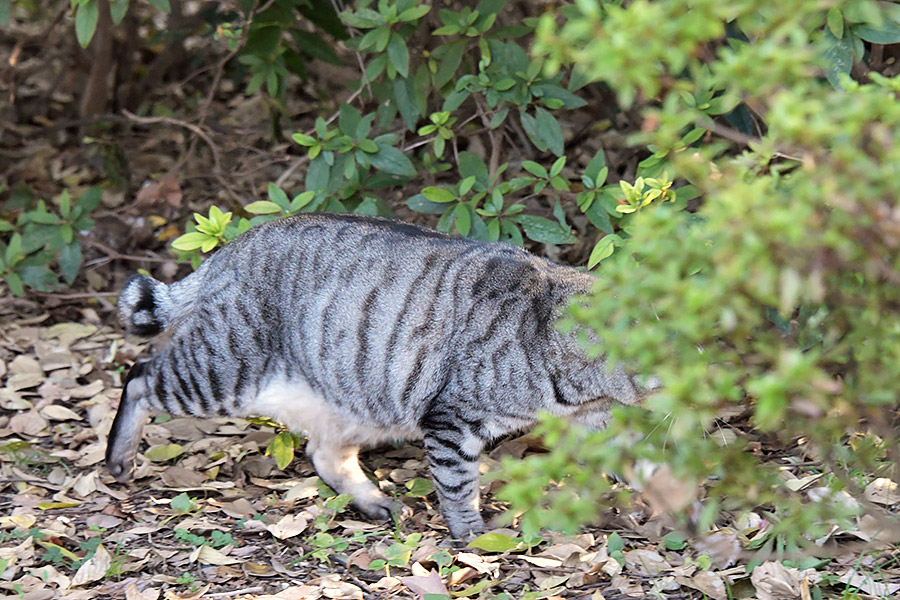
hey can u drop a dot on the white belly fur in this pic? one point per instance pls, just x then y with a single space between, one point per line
294 404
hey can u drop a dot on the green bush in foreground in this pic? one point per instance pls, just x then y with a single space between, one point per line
782 292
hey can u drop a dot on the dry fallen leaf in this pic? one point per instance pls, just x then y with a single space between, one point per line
871 583
28 423
883 491
55 412
774 581
666 493
133 593
430 584
480 564
709 583
646 562
333 587
93 569
288 526
208 555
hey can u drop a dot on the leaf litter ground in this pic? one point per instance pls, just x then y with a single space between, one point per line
210 516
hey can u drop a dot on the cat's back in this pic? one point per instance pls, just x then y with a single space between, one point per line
318 249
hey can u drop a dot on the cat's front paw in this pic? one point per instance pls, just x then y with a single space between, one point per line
464 525
383 509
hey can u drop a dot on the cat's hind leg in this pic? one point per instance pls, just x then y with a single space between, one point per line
453 450
338 466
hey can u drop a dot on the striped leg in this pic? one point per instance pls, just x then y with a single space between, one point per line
453 456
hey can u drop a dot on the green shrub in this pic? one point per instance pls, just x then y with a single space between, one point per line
779 293
473 78
39 241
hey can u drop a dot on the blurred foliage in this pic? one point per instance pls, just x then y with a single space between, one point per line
780 292
40 240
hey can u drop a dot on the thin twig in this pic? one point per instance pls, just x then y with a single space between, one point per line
197 130
290 170
114 254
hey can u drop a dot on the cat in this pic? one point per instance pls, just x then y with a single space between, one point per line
359 330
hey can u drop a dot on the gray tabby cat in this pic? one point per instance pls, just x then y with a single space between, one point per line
358 330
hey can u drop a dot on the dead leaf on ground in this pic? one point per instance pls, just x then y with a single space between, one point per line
870 583
883 491
430 584
288 526
774 581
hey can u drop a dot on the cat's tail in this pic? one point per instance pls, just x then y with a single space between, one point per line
148 306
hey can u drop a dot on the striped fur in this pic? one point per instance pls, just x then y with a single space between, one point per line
358 330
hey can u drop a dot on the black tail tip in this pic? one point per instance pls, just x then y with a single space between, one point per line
139 305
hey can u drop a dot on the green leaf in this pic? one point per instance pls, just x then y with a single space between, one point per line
416 12
472 165
183 503
164 452
364 18
535 169
45 218
348 119
599 216
567 99
614 543
88 201
404 98
304 140
603 249
839 58
392 161
836 22
302 199
219 219
86 16
420 203
39 278
888 33
15 284
162 5
65 204
549 130
399 54
674 540
318 174
544 230
557 166
368 146
499 117
4 21
263 207
771 402
70 261
419 487
190 241
450 56
440 195
118 9
529 124
14 250
281 448
463 219
496 543
277 195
